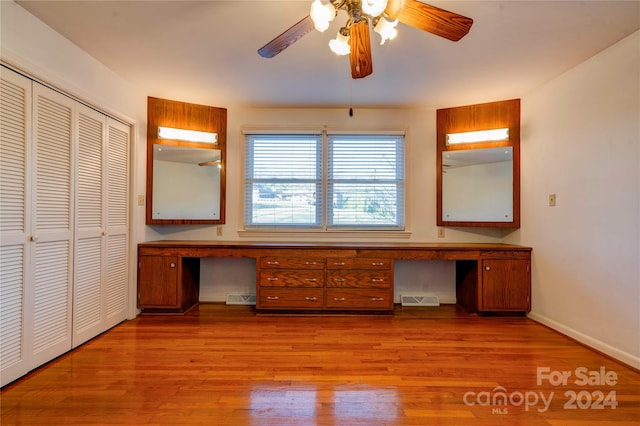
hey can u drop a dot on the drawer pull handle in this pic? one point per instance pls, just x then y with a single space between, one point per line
311 299
312 279
338 299
272 298
377 299
339 263
339 280
272 279
173 265
377 263
273 263
310 263
377 280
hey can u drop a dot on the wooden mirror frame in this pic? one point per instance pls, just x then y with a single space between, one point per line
181 115
493 115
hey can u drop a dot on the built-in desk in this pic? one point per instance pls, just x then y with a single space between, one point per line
333 277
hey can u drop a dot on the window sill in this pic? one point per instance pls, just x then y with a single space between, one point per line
315 234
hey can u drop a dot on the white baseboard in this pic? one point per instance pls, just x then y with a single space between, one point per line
624 357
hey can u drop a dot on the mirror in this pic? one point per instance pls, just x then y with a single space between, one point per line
477 185
186 182
185 177
478 182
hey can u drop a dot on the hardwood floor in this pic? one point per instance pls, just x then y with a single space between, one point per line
224 365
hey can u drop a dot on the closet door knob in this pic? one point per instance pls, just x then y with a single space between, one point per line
488 268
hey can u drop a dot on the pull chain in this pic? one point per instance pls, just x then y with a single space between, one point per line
350 97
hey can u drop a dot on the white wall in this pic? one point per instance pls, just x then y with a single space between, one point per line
220 277
580 140
34 48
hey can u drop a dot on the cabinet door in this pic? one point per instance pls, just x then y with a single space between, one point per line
158 282
117 203
89 245
52 223
506 285
15 127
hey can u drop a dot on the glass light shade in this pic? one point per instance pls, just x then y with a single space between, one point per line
322 15
386 29
374 7
478 136
340 45
187 135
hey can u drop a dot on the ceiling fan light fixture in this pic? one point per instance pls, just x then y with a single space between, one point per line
340 45
386 29
322 14
374 7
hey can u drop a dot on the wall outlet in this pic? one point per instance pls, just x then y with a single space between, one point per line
141 200
219 230
440 232
552 200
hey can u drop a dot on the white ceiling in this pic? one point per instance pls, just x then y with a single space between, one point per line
205 51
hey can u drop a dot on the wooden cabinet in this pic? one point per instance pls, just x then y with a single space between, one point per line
359 283
498 282
317 283
167 283
335 277
286 282
506 285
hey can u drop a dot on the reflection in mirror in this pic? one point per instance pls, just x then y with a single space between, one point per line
477 185
186 182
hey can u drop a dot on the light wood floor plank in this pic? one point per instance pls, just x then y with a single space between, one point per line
224 365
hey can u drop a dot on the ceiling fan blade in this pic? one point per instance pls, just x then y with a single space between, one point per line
360 55
429 18
287 38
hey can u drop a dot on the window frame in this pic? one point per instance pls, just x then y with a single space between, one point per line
324 220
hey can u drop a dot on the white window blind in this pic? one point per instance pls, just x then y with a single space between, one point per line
334 181
365 181
283 184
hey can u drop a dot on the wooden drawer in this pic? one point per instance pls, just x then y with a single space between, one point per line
359 263
359 278
276 262
364 299
295 298
291 278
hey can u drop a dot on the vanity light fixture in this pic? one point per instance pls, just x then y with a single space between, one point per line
493 135
187 135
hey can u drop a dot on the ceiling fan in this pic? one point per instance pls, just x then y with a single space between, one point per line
353 38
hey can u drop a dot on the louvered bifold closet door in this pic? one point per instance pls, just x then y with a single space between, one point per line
15 128
117 199
90 232
52 223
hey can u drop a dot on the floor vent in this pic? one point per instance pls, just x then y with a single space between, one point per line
420 301
241 299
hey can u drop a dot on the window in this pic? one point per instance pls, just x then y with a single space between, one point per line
324 181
